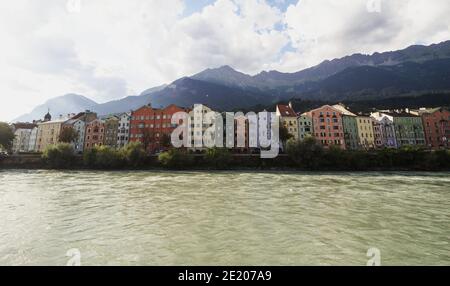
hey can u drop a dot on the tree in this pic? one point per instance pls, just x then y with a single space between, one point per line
134 154
306 153
284 135
147 138
219 158
166 141
6 136
59 156
175 159
68 135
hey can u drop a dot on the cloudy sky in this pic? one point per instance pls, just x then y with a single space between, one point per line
107 49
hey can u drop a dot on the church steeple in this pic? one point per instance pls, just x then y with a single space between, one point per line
48 117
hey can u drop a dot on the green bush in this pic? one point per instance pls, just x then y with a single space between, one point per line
305 154
134 154
107 158
219 158
103 158
59 156
90 157
175 159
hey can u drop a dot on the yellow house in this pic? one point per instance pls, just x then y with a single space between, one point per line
48 133
365 132
288 118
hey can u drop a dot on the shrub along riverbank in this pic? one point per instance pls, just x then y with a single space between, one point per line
306 155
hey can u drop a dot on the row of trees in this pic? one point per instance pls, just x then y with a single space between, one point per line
310 155
305 155
63 156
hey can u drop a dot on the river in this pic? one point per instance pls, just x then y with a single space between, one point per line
223 218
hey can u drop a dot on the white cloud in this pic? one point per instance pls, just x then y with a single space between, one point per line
112 48
328 29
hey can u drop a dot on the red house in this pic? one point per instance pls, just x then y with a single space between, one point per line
436 126
152 127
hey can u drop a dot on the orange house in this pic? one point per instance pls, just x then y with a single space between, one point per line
152 127
327 126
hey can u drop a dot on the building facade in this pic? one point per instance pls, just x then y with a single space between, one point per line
385 124
94 134
111 131
328 126
351 136
305 126
152 127
33 138
123 132
365 132
78 123
24 134
48 133
288 118
436 127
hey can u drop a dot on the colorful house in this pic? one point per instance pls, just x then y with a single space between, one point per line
305 126
95 134
350 127
123 132
408 128
111 131
385 128
365 132
78 123
436 127
48 132
288 118
328 126
152 127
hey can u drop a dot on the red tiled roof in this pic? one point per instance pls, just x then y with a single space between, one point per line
286 111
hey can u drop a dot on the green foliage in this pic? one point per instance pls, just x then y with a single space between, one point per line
59 156
134 154
103 158
306 153
6 136
284 134
68 135
165 141
219 158
175 159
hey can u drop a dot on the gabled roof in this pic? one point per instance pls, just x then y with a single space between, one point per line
286 111
324 106
343 110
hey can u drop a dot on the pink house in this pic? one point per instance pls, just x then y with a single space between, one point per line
327 126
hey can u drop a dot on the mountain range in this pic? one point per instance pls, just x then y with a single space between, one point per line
415 70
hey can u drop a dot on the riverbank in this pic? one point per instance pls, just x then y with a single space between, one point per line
386 160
